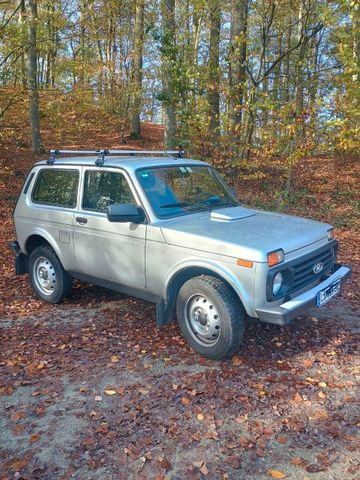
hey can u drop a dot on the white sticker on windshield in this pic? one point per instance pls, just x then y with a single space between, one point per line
183 169
189 170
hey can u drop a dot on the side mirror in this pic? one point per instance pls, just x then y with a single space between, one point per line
125 212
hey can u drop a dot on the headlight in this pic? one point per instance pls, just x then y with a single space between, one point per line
277 283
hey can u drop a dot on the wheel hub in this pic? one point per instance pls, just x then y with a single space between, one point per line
203 319
44 275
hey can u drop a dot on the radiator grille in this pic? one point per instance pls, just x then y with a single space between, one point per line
304 270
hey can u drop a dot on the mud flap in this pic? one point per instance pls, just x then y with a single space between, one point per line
165 314
21 260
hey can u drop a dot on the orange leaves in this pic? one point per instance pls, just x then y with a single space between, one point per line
34 438
236 361
276 473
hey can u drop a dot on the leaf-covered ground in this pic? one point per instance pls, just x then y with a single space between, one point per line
90 388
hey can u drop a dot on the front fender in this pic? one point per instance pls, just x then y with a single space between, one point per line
240 279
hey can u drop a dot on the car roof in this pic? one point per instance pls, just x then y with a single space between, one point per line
131 163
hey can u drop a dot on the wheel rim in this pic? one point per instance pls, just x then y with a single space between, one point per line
44 275
203 319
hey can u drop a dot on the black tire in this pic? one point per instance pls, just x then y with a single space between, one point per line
48 278
211 317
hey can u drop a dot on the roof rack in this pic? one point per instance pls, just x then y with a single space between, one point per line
103 153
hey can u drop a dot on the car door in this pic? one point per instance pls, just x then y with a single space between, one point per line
110 251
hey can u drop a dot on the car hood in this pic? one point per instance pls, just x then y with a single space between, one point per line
243 232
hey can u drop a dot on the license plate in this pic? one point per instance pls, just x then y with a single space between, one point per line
330 291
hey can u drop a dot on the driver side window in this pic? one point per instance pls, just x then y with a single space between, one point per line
104 188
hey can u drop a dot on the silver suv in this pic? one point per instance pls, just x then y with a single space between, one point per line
169 230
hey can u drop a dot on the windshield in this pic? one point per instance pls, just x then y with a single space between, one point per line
184 189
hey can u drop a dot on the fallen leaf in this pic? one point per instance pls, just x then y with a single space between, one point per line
236 361
143 391
164 463
34 438
98 398
204 469
234 461
17 416
298 397
322 384
308 363
276 473
114 358
200 417
110 392
185 401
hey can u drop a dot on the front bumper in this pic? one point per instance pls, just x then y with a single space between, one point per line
283 314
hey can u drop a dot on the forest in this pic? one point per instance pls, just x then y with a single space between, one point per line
237 79
268 92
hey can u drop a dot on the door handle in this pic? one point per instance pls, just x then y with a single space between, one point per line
81 220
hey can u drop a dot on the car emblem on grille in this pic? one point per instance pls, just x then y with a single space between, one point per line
318 267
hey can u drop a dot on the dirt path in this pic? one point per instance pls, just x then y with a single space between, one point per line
90 392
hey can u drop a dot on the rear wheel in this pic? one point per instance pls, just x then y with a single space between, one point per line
211 317
48 278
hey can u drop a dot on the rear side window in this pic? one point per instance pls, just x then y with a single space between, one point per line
56 187
104 188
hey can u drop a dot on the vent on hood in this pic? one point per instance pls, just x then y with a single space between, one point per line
231 213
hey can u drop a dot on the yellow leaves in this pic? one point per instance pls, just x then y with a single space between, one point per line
200 417
322 384
110 392
144 391
276 473
236 361
114 359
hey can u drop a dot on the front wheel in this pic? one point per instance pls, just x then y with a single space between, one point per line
48 278
211 317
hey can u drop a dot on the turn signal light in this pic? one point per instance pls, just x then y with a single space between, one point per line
244 263
276 257
331 234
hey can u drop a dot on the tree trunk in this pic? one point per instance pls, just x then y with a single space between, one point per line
237 61
355 16
299 76
287 66
168 61
214 70
23 35
37 146
137 69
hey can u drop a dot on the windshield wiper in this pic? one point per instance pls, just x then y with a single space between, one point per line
215 201
175 204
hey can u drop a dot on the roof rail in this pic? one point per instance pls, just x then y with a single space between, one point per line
103 153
